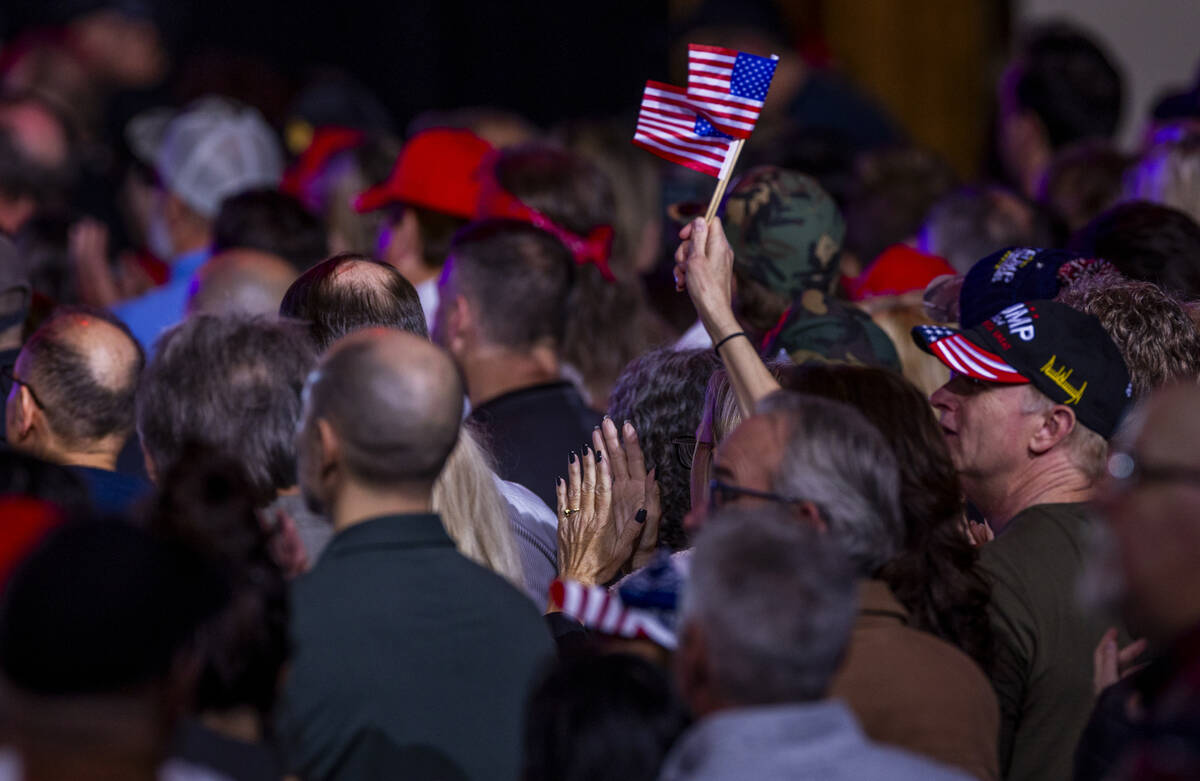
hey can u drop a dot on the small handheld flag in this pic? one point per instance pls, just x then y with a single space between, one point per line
669 127
729 86
704 126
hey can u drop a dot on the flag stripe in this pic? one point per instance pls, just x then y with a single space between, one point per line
677 158
673 143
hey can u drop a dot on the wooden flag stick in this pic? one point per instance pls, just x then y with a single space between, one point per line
735 149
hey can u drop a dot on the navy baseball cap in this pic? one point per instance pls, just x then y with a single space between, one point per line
1064 353
1013 275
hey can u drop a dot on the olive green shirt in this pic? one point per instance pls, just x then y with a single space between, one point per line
1045 641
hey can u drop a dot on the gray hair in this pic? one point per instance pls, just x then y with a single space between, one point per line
840 462
973 222
775 602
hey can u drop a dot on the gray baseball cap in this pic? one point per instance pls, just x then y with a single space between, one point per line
211 150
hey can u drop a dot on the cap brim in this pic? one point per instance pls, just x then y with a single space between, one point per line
374 198
963 356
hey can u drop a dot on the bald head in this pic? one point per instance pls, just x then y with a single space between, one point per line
241 281
349 292
394 403
84 367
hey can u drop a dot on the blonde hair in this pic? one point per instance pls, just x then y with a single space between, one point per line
897 316
474 511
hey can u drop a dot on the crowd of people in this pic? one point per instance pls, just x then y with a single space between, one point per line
332 453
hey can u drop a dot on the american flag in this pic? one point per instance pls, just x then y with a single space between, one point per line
729 86
669 126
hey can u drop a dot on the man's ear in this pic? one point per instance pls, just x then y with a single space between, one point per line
27 417
460 324
692 674
811 515
1057 423
331 448
151 468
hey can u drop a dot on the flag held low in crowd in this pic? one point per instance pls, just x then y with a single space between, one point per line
729 86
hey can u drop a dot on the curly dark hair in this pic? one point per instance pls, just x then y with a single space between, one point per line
662 394
934 576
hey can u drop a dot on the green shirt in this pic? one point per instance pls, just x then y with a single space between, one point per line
1044 640
407 656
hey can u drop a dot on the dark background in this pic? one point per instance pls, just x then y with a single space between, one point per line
546 60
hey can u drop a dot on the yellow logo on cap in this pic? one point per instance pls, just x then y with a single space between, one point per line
1060 377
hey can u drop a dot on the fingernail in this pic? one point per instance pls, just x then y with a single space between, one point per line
606 417
597 456
558 481
572 457
640 515
595 428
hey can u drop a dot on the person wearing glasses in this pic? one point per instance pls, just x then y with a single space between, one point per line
1148 504
71 401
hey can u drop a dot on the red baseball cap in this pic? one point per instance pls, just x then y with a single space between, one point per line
898 269
438 169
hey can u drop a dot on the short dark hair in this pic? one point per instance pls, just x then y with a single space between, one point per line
1147 242
1069 83
518 276
230 384
662 394
611 716
437 232
206 504
270 221
78 406
332 308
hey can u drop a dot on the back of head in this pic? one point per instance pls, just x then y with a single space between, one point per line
270 221
894 190
1158 341
394 401
973 222
1169 174
577 196
1084 179
774 603
214 149
662 394
349 292
612 716
231 385
207 506
84 365
1069 83
74 624
1147 242
518 280
240 281
837 460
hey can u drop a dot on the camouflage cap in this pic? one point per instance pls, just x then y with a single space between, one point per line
822 329
785 231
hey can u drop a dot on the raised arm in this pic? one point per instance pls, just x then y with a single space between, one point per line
704 267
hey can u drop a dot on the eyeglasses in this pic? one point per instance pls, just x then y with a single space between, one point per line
685 449
1127 469
721 494
9 374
